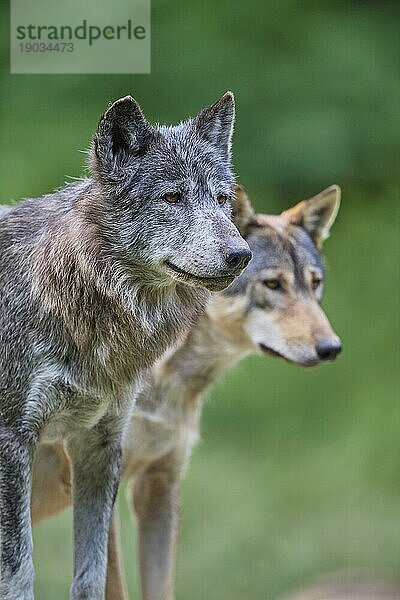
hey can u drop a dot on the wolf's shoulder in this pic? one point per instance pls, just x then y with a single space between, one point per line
23 222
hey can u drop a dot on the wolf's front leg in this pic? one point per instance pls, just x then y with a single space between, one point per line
96 462
16 568
156 499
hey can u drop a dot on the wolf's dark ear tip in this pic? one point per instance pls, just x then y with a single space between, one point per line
228 97
125 100
126 104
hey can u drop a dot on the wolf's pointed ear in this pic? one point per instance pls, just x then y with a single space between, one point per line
215 123
122 134
317 214
243 214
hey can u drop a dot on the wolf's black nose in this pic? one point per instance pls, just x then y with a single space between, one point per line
328 350
238 257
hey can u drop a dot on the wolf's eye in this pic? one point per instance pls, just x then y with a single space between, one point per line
316 282
272 284
222 199
172 197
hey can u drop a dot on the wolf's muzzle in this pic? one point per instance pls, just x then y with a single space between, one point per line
328 350
237 258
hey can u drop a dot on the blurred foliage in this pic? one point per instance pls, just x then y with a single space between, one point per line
298 472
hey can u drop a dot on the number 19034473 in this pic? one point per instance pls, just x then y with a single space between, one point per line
43 47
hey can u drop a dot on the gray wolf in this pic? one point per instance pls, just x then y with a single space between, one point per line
273 308
97 280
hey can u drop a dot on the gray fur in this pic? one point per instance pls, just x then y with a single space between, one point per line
291 252
88 303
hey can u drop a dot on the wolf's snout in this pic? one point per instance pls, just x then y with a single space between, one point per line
237 258
328 349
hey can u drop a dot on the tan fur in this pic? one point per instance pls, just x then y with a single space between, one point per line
277 223
165 422
304 321
115 583
242 210
317 214
51 481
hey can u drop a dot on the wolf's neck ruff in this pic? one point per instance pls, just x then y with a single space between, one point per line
101 300
208 351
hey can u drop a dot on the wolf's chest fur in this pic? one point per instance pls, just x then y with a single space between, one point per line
77 330
105 360
107 371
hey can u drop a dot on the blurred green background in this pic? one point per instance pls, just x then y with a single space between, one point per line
298 471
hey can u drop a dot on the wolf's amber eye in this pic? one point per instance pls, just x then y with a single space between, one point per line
222 199
272 284
316 282
172 197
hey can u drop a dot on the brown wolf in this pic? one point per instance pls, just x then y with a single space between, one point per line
273 308
96 281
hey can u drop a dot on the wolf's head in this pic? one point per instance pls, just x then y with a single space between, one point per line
167 192
274 306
